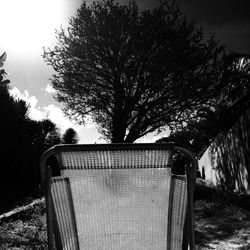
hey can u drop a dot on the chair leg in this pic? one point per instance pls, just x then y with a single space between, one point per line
49 211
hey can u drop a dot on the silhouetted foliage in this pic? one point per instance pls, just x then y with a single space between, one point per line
133 71
51 133
215 120
70 136
13 114
23 142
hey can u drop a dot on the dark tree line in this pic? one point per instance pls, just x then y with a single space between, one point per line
23 141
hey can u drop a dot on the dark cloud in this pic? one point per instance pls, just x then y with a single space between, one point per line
218 11
229 20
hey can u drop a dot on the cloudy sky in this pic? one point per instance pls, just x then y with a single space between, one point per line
28 25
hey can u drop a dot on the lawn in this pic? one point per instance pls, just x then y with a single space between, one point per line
221 222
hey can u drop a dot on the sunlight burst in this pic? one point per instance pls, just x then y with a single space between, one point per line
28 25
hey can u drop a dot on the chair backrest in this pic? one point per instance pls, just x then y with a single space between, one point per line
118 196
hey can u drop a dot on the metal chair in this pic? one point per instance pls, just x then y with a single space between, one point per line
119 196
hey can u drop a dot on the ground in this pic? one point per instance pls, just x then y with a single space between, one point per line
222 222
221 226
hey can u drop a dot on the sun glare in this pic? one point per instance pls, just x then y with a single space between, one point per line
28 25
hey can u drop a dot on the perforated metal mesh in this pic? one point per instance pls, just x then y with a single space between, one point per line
114 159
62 201
177 213
119 200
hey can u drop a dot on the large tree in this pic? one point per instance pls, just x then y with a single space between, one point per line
133 71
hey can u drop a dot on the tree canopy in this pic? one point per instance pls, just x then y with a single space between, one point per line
133 71
70 136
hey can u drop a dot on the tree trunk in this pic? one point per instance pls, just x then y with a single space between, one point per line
131 137
119 131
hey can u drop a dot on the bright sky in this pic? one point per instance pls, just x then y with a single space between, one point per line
29 25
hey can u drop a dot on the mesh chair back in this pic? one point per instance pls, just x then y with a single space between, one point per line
116 196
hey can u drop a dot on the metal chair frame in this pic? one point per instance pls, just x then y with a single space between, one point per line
46 175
